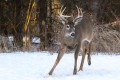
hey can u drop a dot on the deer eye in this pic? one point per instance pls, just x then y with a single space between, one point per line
68 27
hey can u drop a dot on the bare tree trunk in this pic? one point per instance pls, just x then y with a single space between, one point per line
17 16
28 25
42 4
50 30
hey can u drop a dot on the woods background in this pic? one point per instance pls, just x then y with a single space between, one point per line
24 21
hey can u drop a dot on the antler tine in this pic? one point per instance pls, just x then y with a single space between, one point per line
78 10
81 12
63 10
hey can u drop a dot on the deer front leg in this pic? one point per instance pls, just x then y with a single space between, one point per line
89 52
76 57
60 55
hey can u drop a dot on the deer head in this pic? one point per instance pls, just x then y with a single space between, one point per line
70 22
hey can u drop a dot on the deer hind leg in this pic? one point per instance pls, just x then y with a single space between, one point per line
83 58
76 57
89 52
60 55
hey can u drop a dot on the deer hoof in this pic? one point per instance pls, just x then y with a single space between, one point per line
50 73
80 70
74 73
89 63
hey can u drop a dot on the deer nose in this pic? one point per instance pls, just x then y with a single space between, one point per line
73 34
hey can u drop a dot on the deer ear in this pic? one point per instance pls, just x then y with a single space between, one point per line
63 21
78 20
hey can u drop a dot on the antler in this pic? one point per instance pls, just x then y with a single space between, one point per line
80 13
62 17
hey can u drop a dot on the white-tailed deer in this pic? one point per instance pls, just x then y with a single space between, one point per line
77 33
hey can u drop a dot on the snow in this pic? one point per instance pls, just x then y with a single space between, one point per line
34 39
10 38
36 65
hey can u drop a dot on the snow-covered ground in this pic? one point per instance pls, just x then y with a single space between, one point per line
36 65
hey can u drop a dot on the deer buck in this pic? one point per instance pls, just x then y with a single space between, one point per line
78 34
